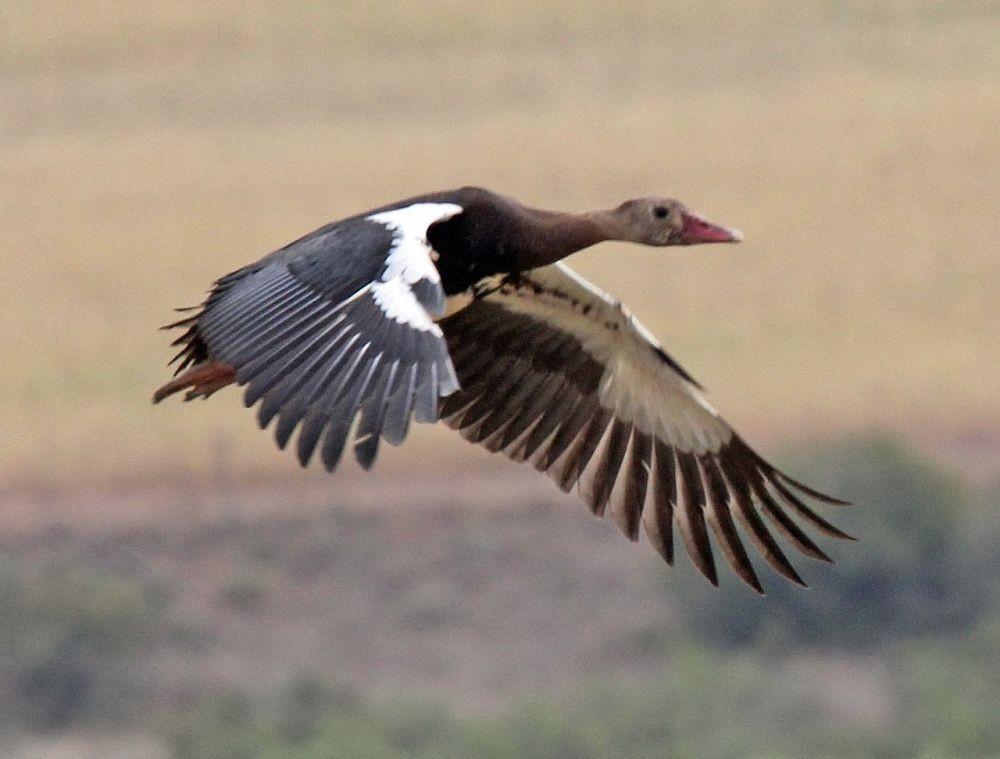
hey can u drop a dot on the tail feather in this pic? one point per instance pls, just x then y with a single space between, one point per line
203 380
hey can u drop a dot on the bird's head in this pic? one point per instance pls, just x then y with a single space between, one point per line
664 221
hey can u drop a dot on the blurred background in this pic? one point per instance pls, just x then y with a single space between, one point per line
170 585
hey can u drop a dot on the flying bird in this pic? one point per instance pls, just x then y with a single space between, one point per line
455 306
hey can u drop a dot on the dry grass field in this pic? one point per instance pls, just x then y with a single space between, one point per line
146 148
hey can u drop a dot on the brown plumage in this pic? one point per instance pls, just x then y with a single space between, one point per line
203 380
454 305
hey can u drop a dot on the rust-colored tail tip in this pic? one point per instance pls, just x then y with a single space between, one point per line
203 380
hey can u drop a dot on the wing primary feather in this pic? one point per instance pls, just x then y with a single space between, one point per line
343 416
497 408
268 283
357 389
284 429
268 369
454 407
474 370
691 518
318 416
787 526
777 516
811 492
316 391
515 448
607 465
583 410
447 379
554 414
581 452
746 453
659 518
397 415
561 468
294 394
372 416
808 514
335 436
267 410
518 410
232 307
747 515
627 501
347 380
721 522
266 361
309 435
248 315
506 375
426 401
265 373
407 348
253 342
539 406
633 497
288 345
378 391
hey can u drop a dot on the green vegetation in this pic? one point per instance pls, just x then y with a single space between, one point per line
892 654
706 704
244 594
917 571
70 645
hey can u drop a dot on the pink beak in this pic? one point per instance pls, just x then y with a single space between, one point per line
697 230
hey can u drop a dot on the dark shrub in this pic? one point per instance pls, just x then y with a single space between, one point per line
913 570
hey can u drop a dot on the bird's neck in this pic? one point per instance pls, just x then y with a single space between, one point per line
550 236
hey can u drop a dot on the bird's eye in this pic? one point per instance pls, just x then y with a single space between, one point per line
660 212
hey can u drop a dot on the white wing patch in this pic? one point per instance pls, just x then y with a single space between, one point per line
409 266
409 257
396 300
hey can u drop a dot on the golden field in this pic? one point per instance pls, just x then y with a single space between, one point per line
147 148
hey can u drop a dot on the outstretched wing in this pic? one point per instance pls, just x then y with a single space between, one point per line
337 323
556 372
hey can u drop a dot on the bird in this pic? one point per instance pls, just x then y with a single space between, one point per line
457 306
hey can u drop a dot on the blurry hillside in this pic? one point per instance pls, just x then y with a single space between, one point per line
146 148
348 629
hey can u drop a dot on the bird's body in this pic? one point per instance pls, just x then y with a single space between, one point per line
454 305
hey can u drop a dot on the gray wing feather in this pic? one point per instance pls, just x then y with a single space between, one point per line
316 349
